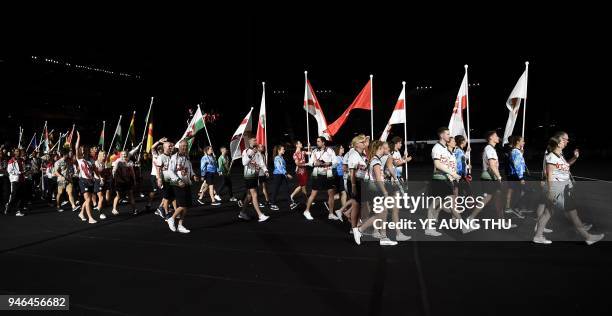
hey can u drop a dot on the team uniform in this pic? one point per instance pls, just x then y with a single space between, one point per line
252 168
338 172
162 164
86 176
279 177
15 170
490 183
562 185
322 177
180 168
208 169
441 185
103 177
300 172
358 162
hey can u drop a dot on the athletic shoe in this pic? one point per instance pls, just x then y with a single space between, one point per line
215 203
293 205
541 240
587 227
19 214
115 212
78 207
401 237
60 209
387 242
243 215
432 232
142 195
92 221
240 204
326 206
166 216
64 203
274 207
594 238
339 215
102 216
124 201
82 217
308 216
333 217
170 222
200 202
96 209
233 199
357 235
78 202
261 205
159 213
546 230
183 230
263 218
217 197
135 211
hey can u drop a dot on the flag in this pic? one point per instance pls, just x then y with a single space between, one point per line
313 107
261 123
238 144
363 101
69 138
456 126
196 124
132 131
118 136
513 104
398 116
46 139
101 141
150 138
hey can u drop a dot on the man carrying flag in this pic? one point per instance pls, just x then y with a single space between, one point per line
518 94
363 101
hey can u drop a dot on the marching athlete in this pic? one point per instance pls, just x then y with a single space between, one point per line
301 174
181 176
86 180
252 167
124 180
322 160
279 177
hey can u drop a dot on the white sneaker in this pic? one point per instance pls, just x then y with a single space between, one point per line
357 235
594 238
541 240
170 222
233 199
401 237
102 216
64 203
308 216
333 217
92 221
293 205
217 197
82 217
339 215
115 212
183 230
263 218
19 213
432 232
387 242
215 203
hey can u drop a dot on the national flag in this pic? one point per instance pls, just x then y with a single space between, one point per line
47 148
238 144
363 101
456 126
261 122
132 131
101 140
150 138
118 137
196 124
513 104
398 116
313 107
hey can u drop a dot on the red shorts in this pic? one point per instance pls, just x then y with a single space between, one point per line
302 179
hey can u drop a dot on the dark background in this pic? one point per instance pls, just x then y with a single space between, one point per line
219 58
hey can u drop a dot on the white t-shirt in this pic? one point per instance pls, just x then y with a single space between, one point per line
86 170
154 163
163 161
325 155
376 161
488 153
440 152
397 156
356 161
561 172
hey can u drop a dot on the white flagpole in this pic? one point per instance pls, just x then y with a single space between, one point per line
372 105
467 97
127 136
114 134
33 137
205 129
41 136
144 133
103 131
525 102
405 131
263 84
306 88
20 136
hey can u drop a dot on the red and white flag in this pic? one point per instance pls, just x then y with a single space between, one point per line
313 107
513 103
398 116
456 126
261 123
238 144
363 101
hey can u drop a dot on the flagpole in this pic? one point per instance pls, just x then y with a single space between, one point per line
128 131
372 107
263 84
467 97
41 136
103 130
114 134
306 88
144 133
20 136
33 137
525 102
205 129
405 131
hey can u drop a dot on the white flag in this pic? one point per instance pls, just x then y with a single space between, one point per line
237 144
398 116
312 105
455 125
514 104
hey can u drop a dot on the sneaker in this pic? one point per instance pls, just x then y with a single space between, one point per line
217 197
261 205
135 211
78 202
308 216
102 216
76 208
142 195
546 230
115 212
183 230
243 215
82 217
60 209
587 227
96 209
274 207
387 242
92 221
326 206
63 203
541 240
333 217
200 202
594 238
402 237
293 205
214 203
19 214
357 235
263 218
240 204
432 232
159 213
170 222
339 215
233 199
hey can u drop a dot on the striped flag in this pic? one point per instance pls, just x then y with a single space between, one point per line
150 138
398 116
237 144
